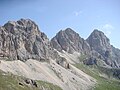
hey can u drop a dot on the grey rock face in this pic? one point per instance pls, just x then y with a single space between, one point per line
23 40
70 41
116 56
101 44
97 45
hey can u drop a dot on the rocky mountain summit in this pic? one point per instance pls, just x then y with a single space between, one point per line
96 46
23 40
70 41
100 44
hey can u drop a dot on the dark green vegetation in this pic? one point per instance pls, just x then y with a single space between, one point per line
104 77
9 81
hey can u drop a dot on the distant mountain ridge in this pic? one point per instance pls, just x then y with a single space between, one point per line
67 60
97 45
23 40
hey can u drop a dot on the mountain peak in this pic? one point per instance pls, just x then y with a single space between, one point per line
21 21
25 21
99 42
69 41
67 31
98 32
22 40
22 25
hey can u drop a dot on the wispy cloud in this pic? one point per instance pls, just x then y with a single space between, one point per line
107 28
108 33
77 13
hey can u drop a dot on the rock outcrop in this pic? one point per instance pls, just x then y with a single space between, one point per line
100 44
70 41
23 40
97 45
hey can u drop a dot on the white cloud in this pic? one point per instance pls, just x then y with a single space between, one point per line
107 28
77 13
108 32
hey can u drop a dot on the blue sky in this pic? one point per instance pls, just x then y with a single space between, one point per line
83 16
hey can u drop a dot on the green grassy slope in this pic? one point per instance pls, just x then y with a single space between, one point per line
9 81
104 83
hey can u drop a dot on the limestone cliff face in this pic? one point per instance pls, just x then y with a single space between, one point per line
99 42
101 45
96 46
70 41
23 40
